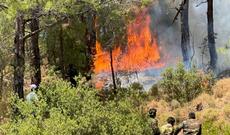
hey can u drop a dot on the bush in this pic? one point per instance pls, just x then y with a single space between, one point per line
154 92
227 111
184 85
212 128
63 110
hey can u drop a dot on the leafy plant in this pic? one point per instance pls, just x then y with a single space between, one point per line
63 110
184 85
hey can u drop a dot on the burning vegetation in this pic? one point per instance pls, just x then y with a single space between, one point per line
141 53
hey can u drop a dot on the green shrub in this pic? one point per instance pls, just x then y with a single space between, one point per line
137 92
137 87
63 110
212 128
154 92
184 85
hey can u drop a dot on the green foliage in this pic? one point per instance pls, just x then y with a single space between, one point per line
113 19
63 110
137 87
154 91
146 2
112 24
184 85
212 128
73 42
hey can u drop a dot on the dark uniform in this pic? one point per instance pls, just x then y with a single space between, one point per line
190 127
71 73
154 122
154 126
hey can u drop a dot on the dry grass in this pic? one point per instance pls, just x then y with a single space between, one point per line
222 88
216 107
4 110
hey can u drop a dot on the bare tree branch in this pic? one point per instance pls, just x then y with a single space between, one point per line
41 29
179 10
63 17
201 3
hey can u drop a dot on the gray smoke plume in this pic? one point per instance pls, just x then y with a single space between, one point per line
198 24
169 35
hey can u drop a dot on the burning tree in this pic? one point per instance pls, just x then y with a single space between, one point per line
140 52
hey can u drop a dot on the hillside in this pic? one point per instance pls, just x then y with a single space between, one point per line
214 110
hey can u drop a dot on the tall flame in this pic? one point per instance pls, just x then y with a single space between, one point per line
141 52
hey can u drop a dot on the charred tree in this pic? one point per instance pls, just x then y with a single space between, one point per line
185 36
211 36
19 55
112 70
34 47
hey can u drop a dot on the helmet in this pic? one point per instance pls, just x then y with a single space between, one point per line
152 112
192 115
171 120
33 86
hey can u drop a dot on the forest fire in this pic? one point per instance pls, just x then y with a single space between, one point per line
141 53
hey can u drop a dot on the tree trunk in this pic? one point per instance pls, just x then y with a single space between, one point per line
112 70
1 84
185 36
211 36
35 52
90 39
61 57
19 56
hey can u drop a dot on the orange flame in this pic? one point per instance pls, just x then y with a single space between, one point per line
141 53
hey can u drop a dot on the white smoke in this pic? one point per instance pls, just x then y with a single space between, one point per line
170 36
198 28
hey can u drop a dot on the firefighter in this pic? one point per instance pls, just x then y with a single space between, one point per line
190 126
154 122
168 128
32 96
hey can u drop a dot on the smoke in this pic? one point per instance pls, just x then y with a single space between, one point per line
169 35
198 28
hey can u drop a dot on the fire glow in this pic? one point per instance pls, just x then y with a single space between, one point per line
141 53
